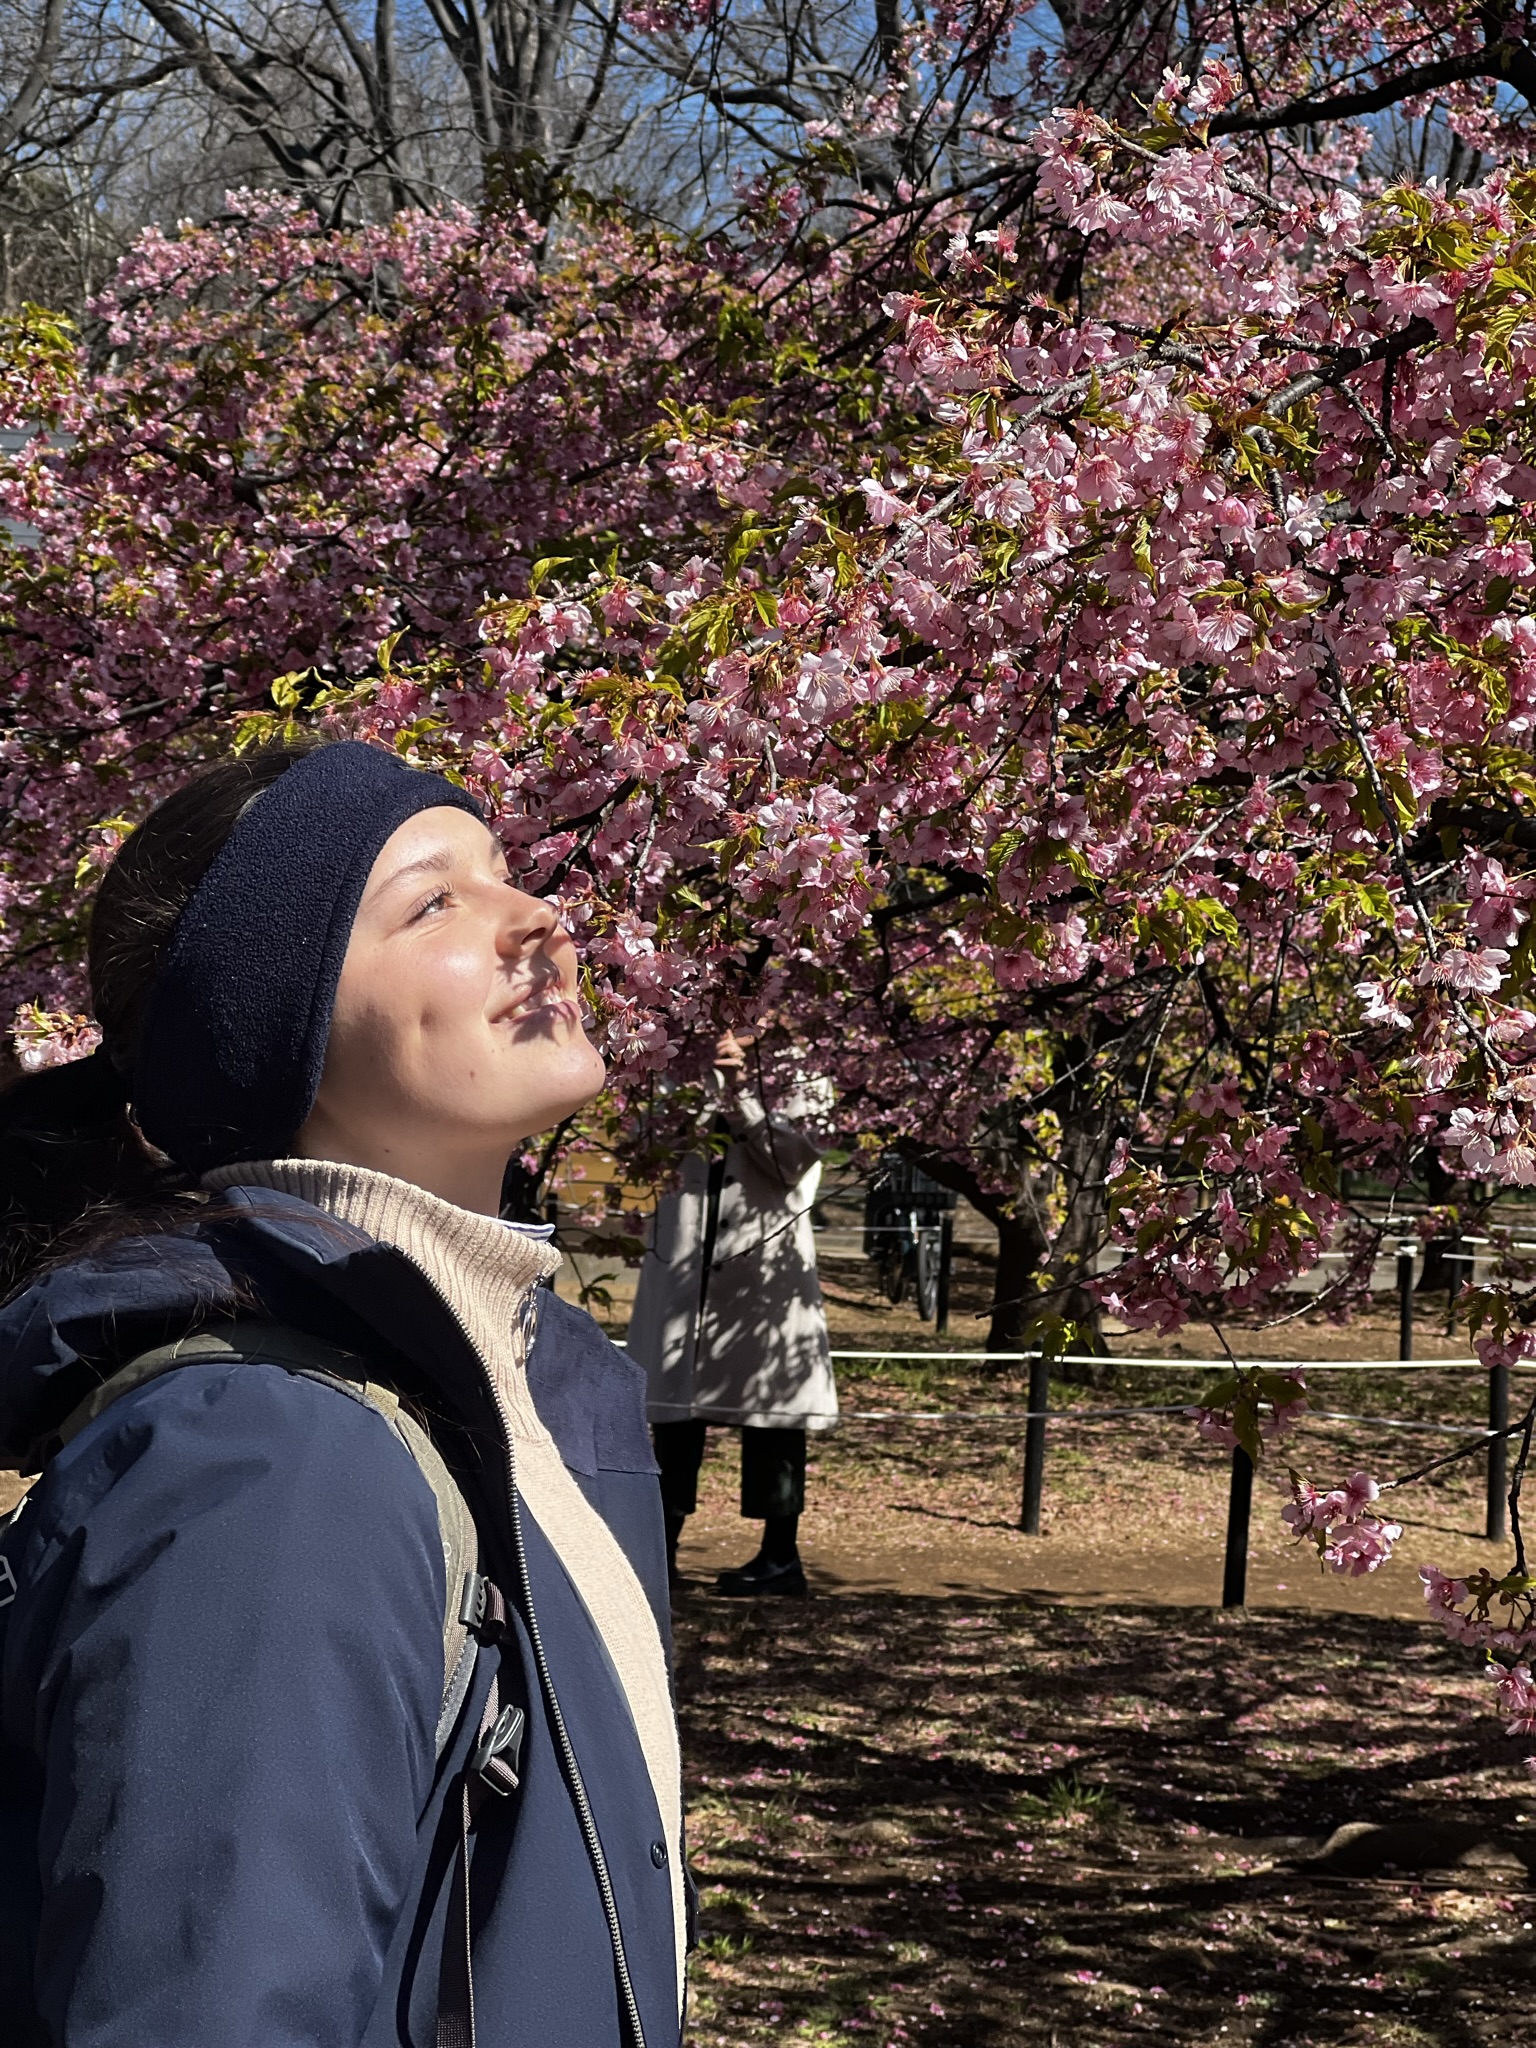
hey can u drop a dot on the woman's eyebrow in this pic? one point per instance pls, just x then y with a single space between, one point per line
439 862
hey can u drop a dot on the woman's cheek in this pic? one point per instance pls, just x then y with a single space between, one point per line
454 986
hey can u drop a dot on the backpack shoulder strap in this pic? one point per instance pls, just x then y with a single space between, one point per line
247 1340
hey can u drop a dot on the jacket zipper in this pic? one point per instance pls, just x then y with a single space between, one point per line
586 1820
578 1790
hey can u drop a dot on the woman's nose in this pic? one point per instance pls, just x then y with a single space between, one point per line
526 924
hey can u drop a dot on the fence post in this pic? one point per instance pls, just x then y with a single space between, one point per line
1234 1581
946 1254
1455 1259
1498 1454
1034 1442
1405 1299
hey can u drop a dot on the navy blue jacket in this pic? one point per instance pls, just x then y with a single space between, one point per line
222 1819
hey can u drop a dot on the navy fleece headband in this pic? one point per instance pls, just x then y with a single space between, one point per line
238 1018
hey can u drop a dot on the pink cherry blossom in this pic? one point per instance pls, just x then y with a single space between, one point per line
1098 738
1458 967
1516 1691
51 1038
885 509
1361 1546
1350 1535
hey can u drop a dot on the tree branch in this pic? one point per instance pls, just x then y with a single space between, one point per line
1508 62
14 119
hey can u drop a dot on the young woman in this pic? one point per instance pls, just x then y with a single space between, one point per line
268 1777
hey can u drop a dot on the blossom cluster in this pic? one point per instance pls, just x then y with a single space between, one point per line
1516 1690
1351 1534
1465 1609
51 1038
1252 1407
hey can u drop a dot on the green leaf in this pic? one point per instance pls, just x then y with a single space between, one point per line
1141 547
546 566
739 546
741 333
1245 1427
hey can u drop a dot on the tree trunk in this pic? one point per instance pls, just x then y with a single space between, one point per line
1440 1271
1037 1276
1084 1151
1015 1293
1021 1246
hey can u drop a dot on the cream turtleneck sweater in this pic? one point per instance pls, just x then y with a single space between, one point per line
484 1271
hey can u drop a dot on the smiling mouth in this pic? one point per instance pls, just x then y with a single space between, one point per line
548 1003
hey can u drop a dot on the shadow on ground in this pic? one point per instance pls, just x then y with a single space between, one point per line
920 1820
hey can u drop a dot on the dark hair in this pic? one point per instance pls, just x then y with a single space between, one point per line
73 1171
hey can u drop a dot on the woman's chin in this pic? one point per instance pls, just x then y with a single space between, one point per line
570 1088
589 1070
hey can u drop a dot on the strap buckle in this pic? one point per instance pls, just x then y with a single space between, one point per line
482 1608
496 1756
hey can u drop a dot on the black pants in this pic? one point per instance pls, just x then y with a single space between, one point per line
772 1469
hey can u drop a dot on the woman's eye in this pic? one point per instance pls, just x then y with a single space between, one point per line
435 901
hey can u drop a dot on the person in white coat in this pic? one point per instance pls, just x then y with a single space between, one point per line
728 1320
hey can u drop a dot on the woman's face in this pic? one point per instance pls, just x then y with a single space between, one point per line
456 1031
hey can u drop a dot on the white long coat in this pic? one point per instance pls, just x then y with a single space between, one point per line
762 1356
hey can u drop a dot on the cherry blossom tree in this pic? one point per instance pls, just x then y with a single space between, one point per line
1097 735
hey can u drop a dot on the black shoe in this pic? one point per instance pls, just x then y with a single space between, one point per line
762 1575
674 1526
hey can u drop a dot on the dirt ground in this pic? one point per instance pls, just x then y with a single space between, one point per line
1016 1821
1135 1507
982 1788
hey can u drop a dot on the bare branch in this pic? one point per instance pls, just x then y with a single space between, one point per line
1506 62
14 118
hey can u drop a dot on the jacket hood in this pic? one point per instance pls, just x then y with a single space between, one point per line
62 1334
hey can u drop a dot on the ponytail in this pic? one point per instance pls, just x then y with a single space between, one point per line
66 1149
74 1172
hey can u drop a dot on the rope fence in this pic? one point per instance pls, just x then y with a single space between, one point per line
1038 1414
1465 1429
1182 1364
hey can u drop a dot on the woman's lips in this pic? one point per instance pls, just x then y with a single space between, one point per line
553 1003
